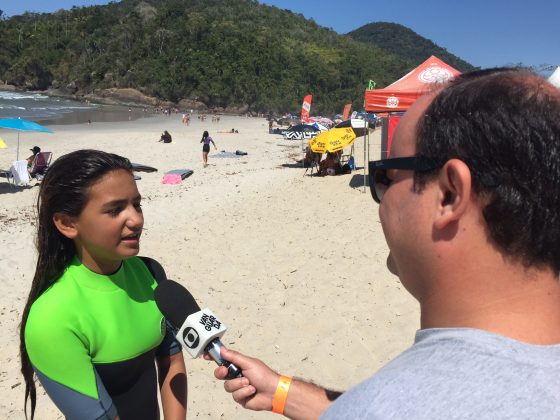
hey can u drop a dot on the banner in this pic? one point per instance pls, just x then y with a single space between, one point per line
305 108
393 122
346 112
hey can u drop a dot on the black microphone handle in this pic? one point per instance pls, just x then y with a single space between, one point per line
213 350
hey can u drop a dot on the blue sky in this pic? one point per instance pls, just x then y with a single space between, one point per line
485 33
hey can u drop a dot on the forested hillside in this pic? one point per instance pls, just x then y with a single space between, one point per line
235 54
409 45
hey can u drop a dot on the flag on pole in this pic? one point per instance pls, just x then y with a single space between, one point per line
346 112
305 108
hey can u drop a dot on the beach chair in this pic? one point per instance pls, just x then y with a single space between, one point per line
311 161
19 172
7 173
313 165
345 158
40 164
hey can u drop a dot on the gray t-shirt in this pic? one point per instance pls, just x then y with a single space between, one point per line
459 374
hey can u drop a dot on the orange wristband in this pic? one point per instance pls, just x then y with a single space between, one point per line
281 394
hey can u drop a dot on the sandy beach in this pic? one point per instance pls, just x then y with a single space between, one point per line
293 264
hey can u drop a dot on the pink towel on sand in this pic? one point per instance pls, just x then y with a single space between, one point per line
171 179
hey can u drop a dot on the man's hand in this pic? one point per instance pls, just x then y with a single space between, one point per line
255 390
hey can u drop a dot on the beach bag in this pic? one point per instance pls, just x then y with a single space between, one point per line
171 179
351 163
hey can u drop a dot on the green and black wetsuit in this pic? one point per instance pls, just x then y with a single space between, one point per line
93 339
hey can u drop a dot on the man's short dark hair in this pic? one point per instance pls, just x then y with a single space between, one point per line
505 125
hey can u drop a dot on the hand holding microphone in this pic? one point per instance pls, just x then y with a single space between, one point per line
256 389
197 330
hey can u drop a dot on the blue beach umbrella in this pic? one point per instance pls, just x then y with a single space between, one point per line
22 125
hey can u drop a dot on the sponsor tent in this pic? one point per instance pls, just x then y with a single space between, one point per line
554 78
400 95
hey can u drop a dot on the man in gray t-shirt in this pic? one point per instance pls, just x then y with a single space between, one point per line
469 205
453 373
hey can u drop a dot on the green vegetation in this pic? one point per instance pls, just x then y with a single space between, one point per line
224 53
410 45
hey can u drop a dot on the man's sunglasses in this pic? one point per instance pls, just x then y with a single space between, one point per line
378 180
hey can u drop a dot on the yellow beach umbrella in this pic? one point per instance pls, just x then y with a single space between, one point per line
333 140
3 144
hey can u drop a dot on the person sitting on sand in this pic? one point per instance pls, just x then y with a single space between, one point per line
165 137
330 165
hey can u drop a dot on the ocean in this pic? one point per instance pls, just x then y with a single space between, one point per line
55 110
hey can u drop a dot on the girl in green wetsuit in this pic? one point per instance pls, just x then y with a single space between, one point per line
91 330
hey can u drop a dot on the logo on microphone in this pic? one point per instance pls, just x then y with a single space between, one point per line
191 338
209 322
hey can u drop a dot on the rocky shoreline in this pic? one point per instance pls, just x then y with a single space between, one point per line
127 97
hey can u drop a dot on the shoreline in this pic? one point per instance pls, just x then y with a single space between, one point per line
130 98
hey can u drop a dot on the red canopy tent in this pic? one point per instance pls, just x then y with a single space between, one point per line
400 95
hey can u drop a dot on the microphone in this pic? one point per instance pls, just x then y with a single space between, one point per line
197 330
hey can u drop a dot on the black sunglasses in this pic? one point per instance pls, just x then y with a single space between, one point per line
378 180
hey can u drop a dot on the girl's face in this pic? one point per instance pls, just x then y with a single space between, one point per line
109 227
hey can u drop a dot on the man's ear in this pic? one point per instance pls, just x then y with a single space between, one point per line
454 182
65 225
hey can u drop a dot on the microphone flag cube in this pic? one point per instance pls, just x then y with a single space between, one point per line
199 330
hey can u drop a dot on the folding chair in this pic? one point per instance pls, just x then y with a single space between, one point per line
7 173
314 163
313 166
344 158
40 164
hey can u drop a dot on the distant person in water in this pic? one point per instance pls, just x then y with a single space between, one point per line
206 140
165 137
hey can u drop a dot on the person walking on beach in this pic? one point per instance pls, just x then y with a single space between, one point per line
474 236
90 330
206 140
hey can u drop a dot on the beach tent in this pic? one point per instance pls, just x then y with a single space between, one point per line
554 78
400 95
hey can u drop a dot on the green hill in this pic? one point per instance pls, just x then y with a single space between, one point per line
226 54
405 43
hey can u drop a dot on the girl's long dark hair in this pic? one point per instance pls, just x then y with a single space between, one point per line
204 135
64 189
